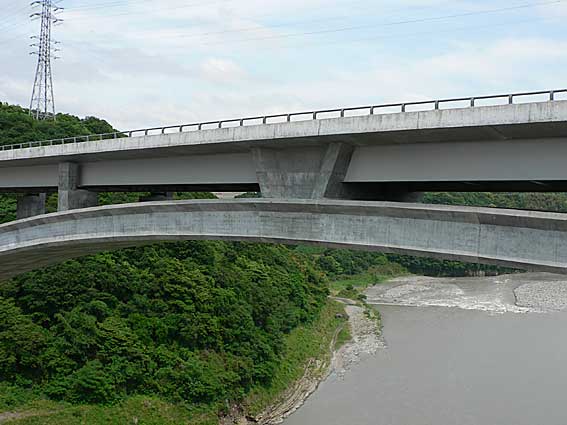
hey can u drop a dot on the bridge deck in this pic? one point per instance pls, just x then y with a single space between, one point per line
483 123
511 147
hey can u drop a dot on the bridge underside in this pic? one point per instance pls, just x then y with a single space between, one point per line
368 190
529 240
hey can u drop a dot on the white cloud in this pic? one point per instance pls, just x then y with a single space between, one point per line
221 71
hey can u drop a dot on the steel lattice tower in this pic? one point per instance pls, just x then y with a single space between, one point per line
42 105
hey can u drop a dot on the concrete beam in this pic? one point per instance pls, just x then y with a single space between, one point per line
522 239
31 205
70 196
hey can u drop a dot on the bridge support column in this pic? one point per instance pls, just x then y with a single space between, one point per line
31 205
158 196
303 173
316 173
70 196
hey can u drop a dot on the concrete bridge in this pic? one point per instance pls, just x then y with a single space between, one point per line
531 240
368 153
318 172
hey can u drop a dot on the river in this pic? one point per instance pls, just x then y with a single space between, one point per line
466 351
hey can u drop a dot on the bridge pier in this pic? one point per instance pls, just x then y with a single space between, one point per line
31 205
70 196
306 173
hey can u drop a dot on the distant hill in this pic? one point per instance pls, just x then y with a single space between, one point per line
17 126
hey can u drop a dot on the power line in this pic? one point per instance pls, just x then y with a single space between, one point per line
185 6
13 11
393 36
8 21
389 24
340 29
416 34
178 7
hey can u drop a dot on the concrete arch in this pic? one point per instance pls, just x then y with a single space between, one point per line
530 240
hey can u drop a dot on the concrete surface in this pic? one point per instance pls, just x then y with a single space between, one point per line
497 148
71 197
531 240
31 205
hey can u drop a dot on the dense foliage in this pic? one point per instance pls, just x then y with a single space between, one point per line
555 202
196 322
17 126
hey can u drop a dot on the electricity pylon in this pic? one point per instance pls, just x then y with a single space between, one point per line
42 105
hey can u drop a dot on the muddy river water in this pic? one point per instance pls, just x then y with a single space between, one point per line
466 351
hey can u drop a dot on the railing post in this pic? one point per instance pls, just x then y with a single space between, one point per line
473 101
289 118
342 113
511 99
552 96
372 110
436 105
264 120
314 115
403 107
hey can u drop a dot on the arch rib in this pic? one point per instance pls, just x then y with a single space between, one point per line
530 240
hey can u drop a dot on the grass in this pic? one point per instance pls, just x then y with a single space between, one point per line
356 284
359 282
307 342
353 287
140 410
136 410
343 337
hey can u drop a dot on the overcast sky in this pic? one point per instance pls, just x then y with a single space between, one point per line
143 63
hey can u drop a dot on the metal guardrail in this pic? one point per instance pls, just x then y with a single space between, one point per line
271 119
